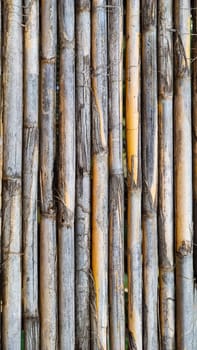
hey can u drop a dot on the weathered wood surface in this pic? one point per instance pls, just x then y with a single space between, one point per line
116 188
30 175
66 176
150 171
165 208
12 172
99 334
48 244
83 173
134 178
183 176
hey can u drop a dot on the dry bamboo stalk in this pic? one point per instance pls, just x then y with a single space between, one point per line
100 175
83 168
12 166
30 176
66 177
48 249
183 177
116 185
150 166
166 227
133 138
194 123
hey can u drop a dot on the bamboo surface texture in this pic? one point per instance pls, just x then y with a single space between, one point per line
12 175
48 244
98 174
134 177
30 175
83 173
165 209
116 189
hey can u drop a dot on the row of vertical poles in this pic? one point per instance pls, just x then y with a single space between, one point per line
62 182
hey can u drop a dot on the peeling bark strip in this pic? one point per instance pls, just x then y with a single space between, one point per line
166 225
83 208
116 188
30 176
100 174
48 249
12 164
66 176
183 179
133 138
194 122
149 167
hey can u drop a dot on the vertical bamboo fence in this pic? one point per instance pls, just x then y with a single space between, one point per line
98 174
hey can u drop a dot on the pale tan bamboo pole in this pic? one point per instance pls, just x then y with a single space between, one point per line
30 175
116 181
83 173
183 176
66 176
100 174
150 171
133 141
12 168
48 245
165 210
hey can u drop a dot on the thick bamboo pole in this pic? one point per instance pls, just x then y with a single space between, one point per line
66 177
183 177
12 167
48 250
83 169
116 185
100 174
30 176
166 225
194 123
133 140
150 170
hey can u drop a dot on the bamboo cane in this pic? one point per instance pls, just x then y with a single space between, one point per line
100 174
133 139
166 228
183 177
66 176
150 165
48 250
83 169
12 164
30 176
116 188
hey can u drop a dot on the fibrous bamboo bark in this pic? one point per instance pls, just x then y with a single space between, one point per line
133 139
150 166
166 226
183 177
194 123
66 177
48 249
116 185
12 165
100 175
83 208
30 176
